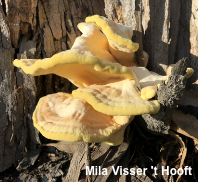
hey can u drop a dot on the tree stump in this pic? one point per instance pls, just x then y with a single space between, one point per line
166 30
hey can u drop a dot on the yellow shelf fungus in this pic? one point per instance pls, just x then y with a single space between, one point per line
61 117
94 41
87 62
119 37
119 98
118 137
107 99
148 92
81 68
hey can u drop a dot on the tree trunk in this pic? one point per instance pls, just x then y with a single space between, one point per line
40 28
168 29
32 29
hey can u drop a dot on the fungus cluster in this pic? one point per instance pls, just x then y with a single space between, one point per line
102 64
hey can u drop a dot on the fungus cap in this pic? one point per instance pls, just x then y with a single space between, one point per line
148 92
119 98
119 37
94 41
61 117
81 67
189 72
118 137
85 64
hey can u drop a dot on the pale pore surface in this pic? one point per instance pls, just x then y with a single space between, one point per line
93 40
61 117
146 77
119 37
149 80
120 98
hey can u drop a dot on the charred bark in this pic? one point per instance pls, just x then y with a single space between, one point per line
168 94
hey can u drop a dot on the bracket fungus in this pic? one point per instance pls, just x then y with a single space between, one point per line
119 37
84 64
119 98
107 99
91 37
61 117
149 80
